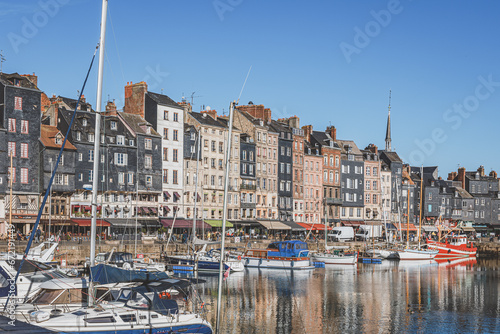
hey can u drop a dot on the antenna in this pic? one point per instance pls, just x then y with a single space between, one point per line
192 98
2 59
162 91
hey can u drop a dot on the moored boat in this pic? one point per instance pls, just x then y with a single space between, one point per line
454 246
417 254
337 256
291 254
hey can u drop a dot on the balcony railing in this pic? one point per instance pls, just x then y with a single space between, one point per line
333 201
248 186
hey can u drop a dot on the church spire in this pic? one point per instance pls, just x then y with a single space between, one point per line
388 130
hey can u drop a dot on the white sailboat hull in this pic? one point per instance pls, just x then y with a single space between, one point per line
336 259
416 254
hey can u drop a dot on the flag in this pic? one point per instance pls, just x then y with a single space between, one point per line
226 273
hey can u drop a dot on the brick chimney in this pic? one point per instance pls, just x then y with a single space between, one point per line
372 148
461 176
211 112
308 129
493 174
111 106
452 176
31 77
82 101
332 131
135 97
257 111
480 170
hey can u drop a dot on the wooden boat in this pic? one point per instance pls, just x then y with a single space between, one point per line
291 254
454 246
417 254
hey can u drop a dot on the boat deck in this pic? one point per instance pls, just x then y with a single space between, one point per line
20 327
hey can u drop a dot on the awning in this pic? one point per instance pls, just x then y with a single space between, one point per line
217 222
198 197
75 206
145 210
405 227
153 210
126 209
108 210
166 195
353 223
58 222
185 223
118 209
314 227
87 207
176 196
468 229
274 225
23 198
119 222
246 223
166 209
153 222
430 228
390 226
294 226
88 222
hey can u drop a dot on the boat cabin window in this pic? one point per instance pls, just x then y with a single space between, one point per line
141 302
59 296
128 317
100 320
125 295
3 282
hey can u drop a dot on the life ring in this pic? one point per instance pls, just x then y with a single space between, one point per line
239 257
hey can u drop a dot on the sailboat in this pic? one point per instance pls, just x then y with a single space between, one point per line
333 254
416 253
138 309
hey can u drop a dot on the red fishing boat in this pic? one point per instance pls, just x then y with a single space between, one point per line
453 247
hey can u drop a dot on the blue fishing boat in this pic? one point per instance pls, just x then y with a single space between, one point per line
291 254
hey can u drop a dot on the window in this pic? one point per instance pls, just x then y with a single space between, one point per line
175 177
121 178
78 135
176 135
336 161
148 144
120 140
24 150
165 154
149 180
430 196
244 155
24 175
121 159
11 149
368 169
12 125
130 178
91 175
12 173
175 155
148 161
176 117
91 155
375 171
18 103
80 156
374 199
367 198
165 133
112 125
367 185
165 115
375 186
165 176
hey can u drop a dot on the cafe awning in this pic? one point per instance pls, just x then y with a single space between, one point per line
185 223
217 222
246 223
88 222
468 229
314 227
294 226
166 195
274 225
120 222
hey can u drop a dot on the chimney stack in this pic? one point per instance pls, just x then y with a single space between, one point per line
135 95
211 112
308 129
481 170
372 148
493 174
452 176
111 106
332 131
461 176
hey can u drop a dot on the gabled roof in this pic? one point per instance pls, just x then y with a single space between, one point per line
163 100
463 193
344 144
71 103
24 82
48 136
391 156
138 124
206 119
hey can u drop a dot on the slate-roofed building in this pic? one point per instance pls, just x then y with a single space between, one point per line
313 184
20 110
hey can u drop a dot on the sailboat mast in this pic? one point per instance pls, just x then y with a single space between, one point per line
420 214
326 222
97 138
408 218
224 216
196 184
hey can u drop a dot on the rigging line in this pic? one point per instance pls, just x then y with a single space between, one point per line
116 45
244 83
35 227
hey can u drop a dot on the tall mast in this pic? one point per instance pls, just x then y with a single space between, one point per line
408 218
420 214
97 138
196 184
224 216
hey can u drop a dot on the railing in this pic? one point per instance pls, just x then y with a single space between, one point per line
333 200
248 186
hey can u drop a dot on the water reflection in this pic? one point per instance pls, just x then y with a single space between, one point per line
432 297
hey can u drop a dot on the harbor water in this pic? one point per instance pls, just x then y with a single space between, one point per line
458 296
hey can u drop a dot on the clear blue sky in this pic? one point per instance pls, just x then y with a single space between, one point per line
328 62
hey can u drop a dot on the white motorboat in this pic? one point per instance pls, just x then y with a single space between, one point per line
417 254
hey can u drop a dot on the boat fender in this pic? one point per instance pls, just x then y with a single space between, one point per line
449 251
239 258
247 262
260 262
292 263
